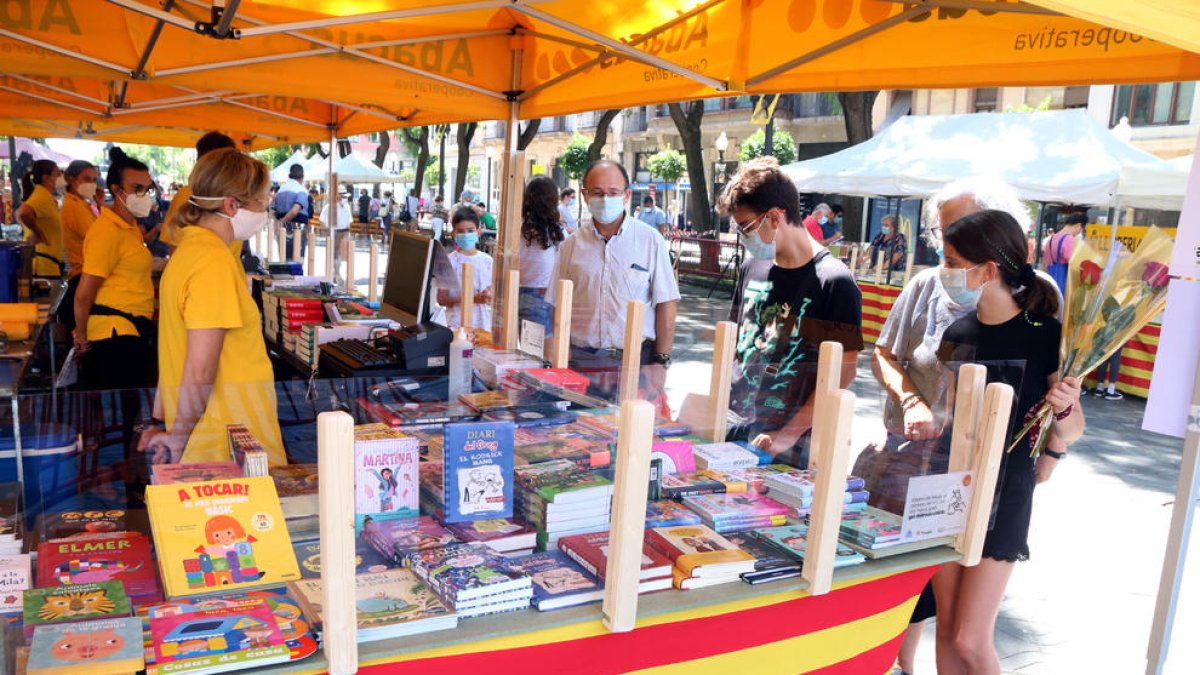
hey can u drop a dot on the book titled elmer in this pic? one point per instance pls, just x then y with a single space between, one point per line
478 471
220 535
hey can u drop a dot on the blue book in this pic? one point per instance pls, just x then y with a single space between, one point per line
558 581
101 646
478 471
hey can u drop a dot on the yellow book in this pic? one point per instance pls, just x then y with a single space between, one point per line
220 535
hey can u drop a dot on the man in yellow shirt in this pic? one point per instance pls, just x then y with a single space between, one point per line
41 217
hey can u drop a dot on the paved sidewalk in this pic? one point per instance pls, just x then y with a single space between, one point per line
1084 602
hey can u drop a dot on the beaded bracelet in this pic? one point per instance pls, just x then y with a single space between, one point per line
1060 416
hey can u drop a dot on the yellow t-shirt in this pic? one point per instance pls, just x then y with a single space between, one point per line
49 220
77 217
170 231
114 251
202 287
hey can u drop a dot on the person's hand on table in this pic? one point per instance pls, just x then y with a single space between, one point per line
918 423
167 447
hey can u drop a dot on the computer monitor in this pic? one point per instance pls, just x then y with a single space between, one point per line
406 286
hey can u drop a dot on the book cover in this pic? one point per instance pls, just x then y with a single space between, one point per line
166 474
241 634
734 506
220 535
70 604
102 647
64 524
396 538
501 534
728 455
591 551
558 581
667 512
385 472
466 572
875 528
120 556
680 485
478 481
15 577
793 540
294 480
767 558
692 547
677 456
390 603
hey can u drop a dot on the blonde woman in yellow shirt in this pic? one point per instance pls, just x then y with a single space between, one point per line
40 215
77 217
212 361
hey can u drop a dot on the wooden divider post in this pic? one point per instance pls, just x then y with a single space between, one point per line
631 360
297 239
373 271
511 330
854 259
968 406
829 380
635 434
311 268
708 414
560 345
468 295
330 254
281 243
879 267
908 265
335 442
832 447
997 405
348 243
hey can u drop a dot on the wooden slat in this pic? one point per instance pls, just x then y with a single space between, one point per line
829 380
968 406
631 361
634 436
997 404
311 268
560 350
879 267
297 239
721 380
348 245
511 330
908 265
281 243
335 442
467 304
833 451
854 259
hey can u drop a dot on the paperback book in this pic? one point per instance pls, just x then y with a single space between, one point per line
478 479
558 581
391 603
15 577
101 647
385 473
729 455
793 540
74 603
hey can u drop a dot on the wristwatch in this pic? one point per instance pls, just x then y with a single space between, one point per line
661 359
1053 453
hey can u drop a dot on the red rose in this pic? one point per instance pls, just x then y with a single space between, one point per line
1156 275
1089 273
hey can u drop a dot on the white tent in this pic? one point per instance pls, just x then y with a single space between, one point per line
280 173
1057 156
351 169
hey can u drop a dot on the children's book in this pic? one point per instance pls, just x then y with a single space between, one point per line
220 536
591 551
101 647
728 455
697 550
793 539
875 529
241 634
503 535
734 506
74 603
385 473
241 443
166 474
395 539
767 558
70 523
668 512
677 456
15 577
123 556
465 572
392 603
478 481
558 581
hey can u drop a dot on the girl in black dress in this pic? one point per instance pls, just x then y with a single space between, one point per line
1014 334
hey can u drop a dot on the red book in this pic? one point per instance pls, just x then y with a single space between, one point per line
301 303
113 556
562 377
591 551
297 314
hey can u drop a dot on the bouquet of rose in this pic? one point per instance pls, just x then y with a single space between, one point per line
1110 297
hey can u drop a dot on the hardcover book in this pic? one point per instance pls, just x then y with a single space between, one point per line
734 506
793 539
591 551
697 550
503 535
15 577
241 634
74 603
558 581
385 473
294 480
220 535
70 523
101 647
677 456
166 474
667 512
464 572
394 539
478 480
388 604
120 556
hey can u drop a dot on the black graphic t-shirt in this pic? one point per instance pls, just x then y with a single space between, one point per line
783 316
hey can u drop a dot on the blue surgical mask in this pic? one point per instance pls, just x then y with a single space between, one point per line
606 210
756 247
824 220
954 282
837 221
467 240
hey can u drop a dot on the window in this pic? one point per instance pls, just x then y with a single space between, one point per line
1153 104
1075 97
985 99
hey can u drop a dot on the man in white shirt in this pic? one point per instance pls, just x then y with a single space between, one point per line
566 209
614 258
413 205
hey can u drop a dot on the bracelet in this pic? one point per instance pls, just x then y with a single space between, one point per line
1060 416
1053 453
908 401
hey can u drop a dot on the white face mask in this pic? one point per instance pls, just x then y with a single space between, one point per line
86 190
247 223
139 205
755 246
606 210
60 185
954 282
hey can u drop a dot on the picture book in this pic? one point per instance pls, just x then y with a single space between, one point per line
478 481
558 581
391 603
465 572
15 577
697 550
591 551
220 535
102 647
667 512
677 456
70 604
734 506
70 523
729 455
241 634
396 538
793 539
123 556
293 480
503 535
385 473
166 474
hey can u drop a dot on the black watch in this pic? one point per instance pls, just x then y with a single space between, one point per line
660 359
1053 453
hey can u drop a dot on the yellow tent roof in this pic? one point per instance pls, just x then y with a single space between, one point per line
289 70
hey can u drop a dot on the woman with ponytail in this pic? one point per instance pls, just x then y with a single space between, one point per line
541 233
1014 334
40 215
77 219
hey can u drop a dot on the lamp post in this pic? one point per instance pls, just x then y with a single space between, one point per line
719 172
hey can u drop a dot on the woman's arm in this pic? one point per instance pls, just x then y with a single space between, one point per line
1063 395
200 363
26 216
918 417
85 297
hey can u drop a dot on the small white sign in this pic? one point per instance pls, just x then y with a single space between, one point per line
533 339
936 506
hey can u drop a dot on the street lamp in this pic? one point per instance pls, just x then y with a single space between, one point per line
722 146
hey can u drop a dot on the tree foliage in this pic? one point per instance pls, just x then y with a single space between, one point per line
754 146
273 157
667 164
575 160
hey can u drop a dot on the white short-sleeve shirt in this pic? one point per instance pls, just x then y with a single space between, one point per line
633 265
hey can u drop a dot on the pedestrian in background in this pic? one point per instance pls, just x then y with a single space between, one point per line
566 209
541 234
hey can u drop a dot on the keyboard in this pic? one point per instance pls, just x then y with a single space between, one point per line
355 355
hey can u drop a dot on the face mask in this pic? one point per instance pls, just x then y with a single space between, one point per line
824 220
467 240
139 205
606 210
756 247
247 223
954 281
60 185
86 190
837 221
571 201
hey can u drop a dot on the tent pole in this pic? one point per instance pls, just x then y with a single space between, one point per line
334 202
508 228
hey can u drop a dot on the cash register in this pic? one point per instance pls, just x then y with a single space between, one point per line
418 346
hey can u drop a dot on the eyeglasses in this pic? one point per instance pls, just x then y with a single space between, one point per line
750 226
604 193
140 190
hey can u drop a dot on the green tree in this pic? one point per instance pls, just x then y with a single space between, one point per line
574 160
433 172
273 157
784 146
670 166
1043 106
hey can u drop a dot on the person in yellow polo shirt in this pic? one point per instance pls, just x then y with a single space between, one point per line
213 140
77 217
40 215
212 361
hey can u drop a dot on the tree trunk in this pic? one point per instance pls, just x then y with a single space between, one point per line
466 132
385 145
421 140
601 136
528 133
443 132
688 125
856 112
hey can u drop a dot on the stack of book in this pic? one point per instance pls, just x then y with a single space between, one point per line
558 581
875 529
246 451
502 535
708 482
591 552
701 557
793 540
668 512
560 499
569 441
729 455
472 579
313 335
563 378
770 563
734 512
395 539
493 365
607 422
294 314
794 487
392 603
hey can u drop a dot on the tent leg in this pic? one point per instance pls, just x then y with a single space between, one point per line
508 228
